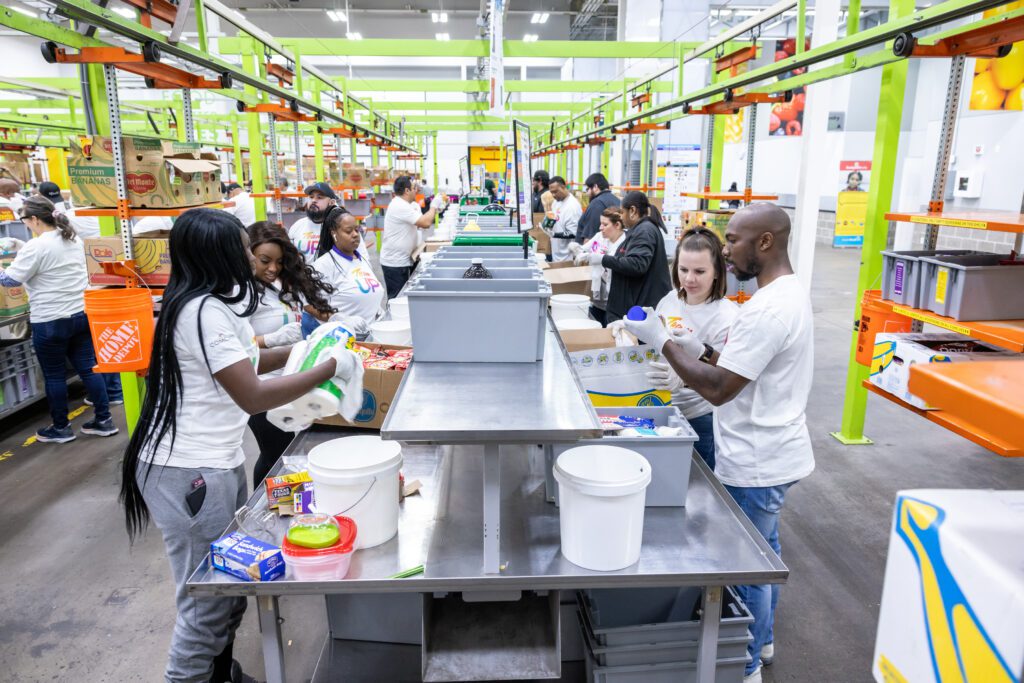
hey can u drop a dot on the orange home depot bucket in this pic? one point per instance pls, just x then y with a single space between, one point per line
121 323
876 316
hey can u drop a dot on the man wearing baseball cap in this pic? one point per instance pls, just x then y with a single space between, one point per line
85 226
244 208
305 232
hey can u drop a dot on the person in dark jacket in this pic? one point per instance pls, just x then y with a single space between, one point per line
601 198
639 266
541 180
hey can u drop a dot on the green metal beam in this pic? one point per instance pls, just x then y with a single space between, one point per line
496 127
454 85
542 49
472 106
506 121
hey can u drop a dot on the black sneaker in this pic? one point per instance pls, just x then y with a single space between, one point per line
53 434
98 428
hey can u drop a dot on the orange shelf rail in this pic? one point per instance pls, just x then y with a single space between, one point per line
1002 221
1006 334
271 195
741 196
142 213
986 394
957 425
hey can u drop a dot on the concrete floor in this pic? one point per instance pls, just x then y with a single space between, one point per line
80 604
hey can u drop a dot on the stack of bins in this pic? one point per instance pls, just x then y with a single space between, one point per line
651 635
973 287
21 378
902 273
500 320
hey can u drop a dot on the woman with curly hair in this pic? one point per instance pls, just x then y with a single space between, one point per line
288 287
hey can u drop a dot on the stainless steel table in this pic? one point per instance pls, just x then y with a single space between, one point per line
709 543
493 405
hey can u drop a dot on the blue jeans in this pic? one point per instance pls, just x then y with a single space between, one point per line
762 504
112 381
59 341
309 323
704 425
395 279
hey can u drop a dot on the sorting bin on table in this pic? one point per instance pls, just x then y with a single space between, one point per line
902 271
974 287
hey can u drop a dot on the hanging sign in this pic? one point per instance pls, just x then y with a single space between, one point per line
496 62
524 179
852 203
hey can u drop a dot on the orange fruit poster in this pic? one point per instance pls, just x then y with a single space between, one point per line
998 83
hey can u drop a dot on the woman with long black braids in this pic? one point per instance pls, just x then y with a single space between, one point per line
183 467
288 286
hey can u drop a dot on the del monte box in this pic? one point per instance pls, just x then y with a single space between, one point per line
160 173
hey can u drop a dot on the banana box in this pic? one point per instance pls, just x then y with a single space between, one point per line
152 259
953 598
895 353
617 376
160 173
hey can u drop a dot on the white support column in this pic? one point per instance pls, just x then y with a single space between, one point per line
813 164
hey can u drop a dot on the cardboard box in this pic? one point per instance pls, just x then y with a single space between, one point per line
586 340
247 558
15 165
13 300
379 389
161 173
381 176
567 278
152 259
617 376
354 175
542 239
895 353
281 490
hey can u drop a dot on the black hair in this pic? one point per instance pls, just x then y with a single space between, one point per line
702 239
560 180
300 282
38 206
542 177
402 184
639 201
326 231
596 179
208 261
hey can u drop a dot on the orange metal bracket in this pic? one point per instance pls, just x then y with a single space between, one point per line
280 112
990 41
744 54
641 99
157 75
640 128
280 73
732 103
161 9
597 140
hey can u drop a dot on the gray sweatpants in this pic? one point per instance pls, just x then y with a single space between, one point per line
204 625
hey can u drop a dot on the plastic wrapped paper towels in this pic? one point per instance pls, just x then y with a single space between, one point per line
336 396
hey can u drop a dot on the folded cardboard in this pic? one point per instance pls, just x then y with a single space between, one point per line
379 389
586 340
895 353
152 259
542 239
15 165
617 376
566 277
160 173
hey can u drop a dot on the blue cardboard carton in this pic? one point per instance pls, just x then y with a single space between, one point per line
248 558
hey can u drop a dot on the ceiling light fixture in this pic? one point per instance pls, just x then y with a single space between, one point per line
442 36
354 36
530 38
444 17
544 18
434 17
336 15
26 12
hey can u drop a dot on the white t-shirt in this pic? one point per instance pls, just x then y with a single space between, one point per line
151 224
761 435
305 235
356 289
272 314
598 244
86 227
400 233
53 272
709 322
210 425
567 217
244 208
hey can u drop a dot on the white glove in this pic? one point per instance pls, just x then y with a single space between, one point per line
580 258
595 259
664 378
285 336
618 330
575 248
650 331
688 342
346 362
353 323
437 202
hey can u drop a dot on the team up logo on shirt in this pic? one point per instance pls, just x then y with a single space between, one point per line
365 280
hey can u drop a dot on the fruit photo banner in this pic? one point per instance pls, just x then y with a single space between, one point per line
787 118
998 83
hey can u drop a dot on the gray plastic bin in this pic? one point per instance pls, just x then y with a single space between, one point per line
453 262
635 616
478 321
479 252
901 273
726 671
357 207
973 287
496 273
670 456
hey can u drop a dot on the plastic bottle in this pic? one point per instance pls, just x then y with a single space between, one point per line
477 271
636 313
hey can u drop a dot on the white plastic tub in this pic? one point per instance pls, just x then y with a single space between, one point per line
602 490
577 324
396 332
322 564
357 476
399 307
569 306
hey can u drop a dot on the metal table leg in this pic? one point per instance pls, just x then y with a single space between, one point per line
492 509
707 646
270 627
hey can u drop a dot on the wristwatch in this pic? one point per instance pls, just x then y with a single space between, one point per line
709 352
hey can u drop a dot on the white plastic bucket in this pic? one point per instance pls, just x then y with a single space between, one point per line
396 332
357 476
399 307
576 324
565 306
602 491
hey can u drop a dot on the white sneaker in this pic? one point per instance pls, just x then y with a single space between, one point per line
768 654
754 677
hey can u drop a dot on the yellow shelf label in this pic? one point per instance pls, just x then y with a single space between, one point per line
932 320
950 222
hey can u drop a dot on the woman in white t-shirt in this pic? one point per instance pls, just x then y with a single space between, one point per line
288 285
184 465
698 305
358 295
52 269
607 241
